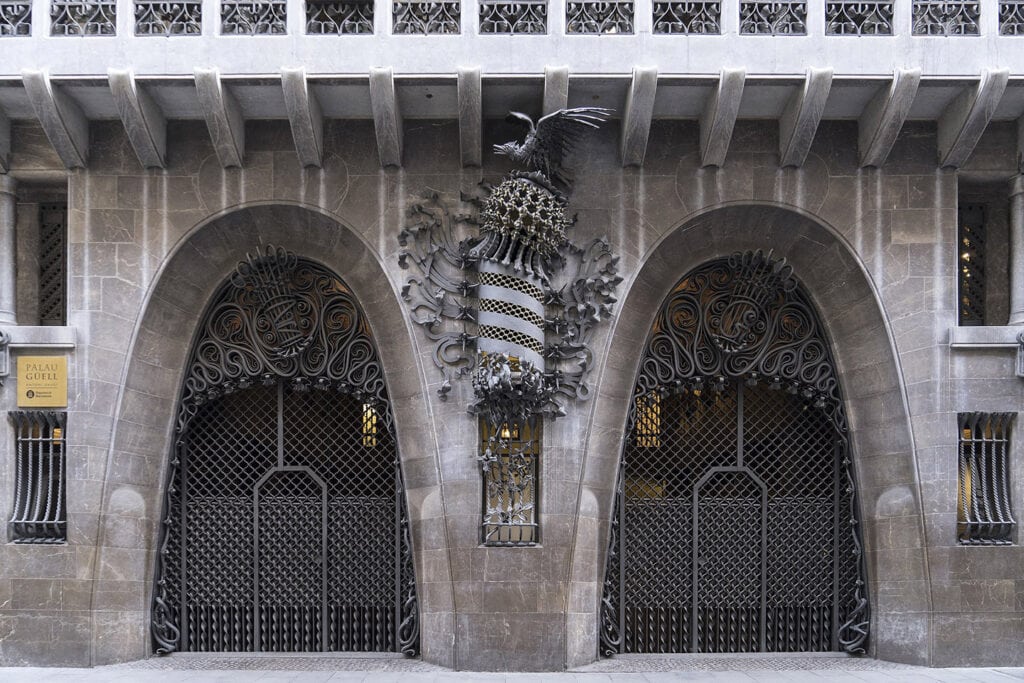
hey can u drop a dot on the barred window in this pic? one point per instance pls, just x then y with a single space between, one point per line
984 514
40 475
508 457
53 221
971 275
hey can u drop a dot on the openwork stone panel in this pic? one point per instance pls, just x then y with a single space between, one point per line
247 18
859 18
163 18
285 525
614 16
339 17
426 17
520 16
688 17
15 18
946 18
735 526
782 18
77 18
1011 17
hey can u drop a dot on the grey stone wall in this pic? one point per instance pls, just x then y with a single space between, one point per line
875 249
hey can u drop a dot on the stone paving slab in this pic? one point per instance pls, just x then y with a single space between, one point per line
396 669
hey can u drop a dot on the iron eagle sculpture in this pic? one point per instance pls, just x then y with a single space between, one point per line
515 305
550 139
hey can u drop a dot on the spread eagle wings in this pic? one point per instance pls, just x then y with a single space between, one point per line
551 139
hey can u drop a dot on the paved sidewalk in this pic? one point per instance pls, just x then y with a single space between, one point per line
395 669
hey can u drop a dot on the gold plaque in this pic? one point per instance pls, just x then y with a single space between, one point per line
42 381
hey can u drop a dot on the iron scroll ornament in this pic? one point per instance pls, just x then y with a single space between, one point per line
740 321
279 320
517 304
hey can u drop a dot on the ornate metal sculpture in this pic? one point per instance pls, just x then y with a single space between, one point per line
736 424
284 438
514 306
520 288
546 144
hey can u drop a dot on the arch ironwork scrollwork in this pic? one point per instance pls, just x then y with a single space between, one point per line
282 326
736 327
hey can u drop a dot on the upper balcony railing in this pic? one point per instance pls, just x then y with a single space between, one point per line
433 17
346 38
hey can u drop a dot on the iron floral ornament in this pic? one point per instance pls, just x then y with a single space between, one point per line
515 304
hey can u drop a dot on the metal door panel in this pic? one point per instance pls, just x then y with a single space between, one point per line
735 522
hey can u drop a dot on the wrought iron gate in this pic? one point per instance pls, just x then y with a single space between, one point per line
285 525
735 527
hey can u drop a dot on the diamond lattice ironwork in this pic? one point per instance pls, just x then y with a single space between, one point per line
285 526
735 521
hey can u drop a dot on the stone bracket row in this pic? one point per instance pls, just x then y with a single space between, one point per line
960 125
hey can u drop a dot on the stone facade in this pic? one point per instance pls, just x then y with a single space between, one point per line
875 249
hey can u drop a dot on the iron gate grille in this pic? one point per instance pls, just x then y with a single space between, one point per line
285 527
735 522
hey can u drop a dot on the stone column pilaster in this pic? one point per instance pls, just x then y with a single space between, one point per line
1017 250
8 256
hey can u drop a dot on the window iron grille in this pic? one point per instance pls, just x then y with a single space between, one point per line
344 17
859 18
40 475
971 264
946 17
83 17
780 18
162 18
1011 17
515 16
15 18
508 458
984 511
251 18
599 17
426 17
53 221
688 17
